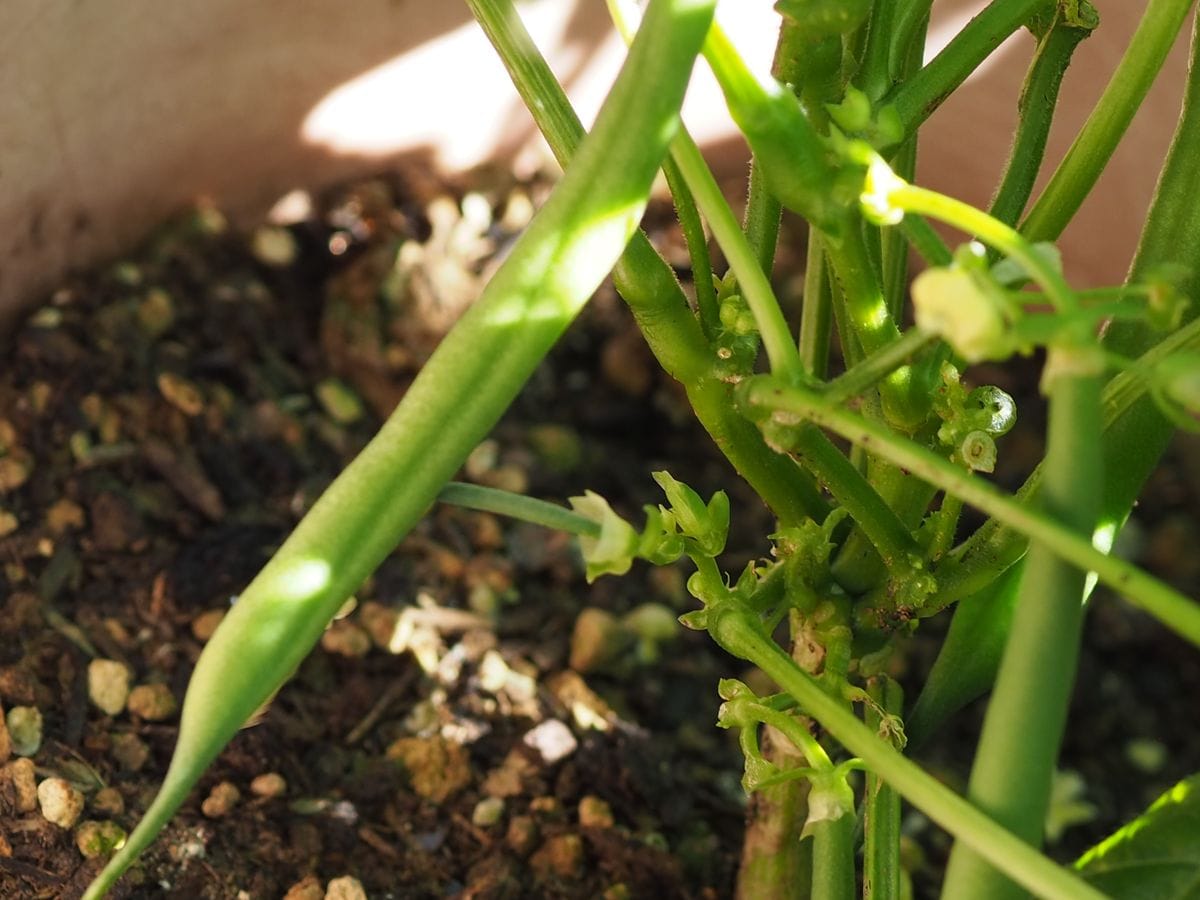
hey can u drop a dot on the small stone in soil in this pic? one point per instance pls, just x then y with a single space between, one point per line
5 740
24 729
220 800
20 775
130 751
152 702
436 767
60 802
552 740
181 393
560 855
95 838
108 801
268 785
307 888
487 812
347 639
108 685
206 623
8 523
347 887
522 835
64 515
507 779
594 813
597 640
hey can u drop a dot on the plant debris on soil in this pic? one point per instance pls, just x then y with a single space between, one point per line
481 723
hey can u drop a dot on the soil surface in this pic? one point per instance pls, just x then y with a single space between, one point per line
482 724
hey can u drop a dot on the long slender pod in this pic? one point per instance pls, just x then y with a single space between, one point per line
459 395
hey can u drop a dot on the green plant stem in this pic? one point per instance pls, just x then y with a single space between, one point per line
648 285
866 374
833 858
908 35
1015 759
991 231
1164 603
816 315
793 157
517 506
461 392
927 242
761 221
1035 107
881 827
917 97
871 326
740 635
762 218
1075 176
880 525
697 244
874 76
752 281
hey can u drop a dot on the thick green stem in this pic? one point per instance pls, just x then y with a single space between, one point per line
1161 601
1022 732
1089 154
741 636
833 859
1070 24
461 392
917 97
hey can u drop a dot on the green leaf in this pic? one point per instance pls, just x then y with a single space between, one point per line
1157 855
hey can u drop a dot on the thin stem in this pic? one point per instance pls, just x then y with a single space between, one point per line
991 231
927 242
917 97
896 547
761 221
881 827
1035 108
742 638
816 315
697 244
1159 600
752 282
1089 154
859 378
517 506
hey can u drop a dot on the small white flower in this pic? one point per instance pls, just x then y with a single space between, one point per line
950 303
